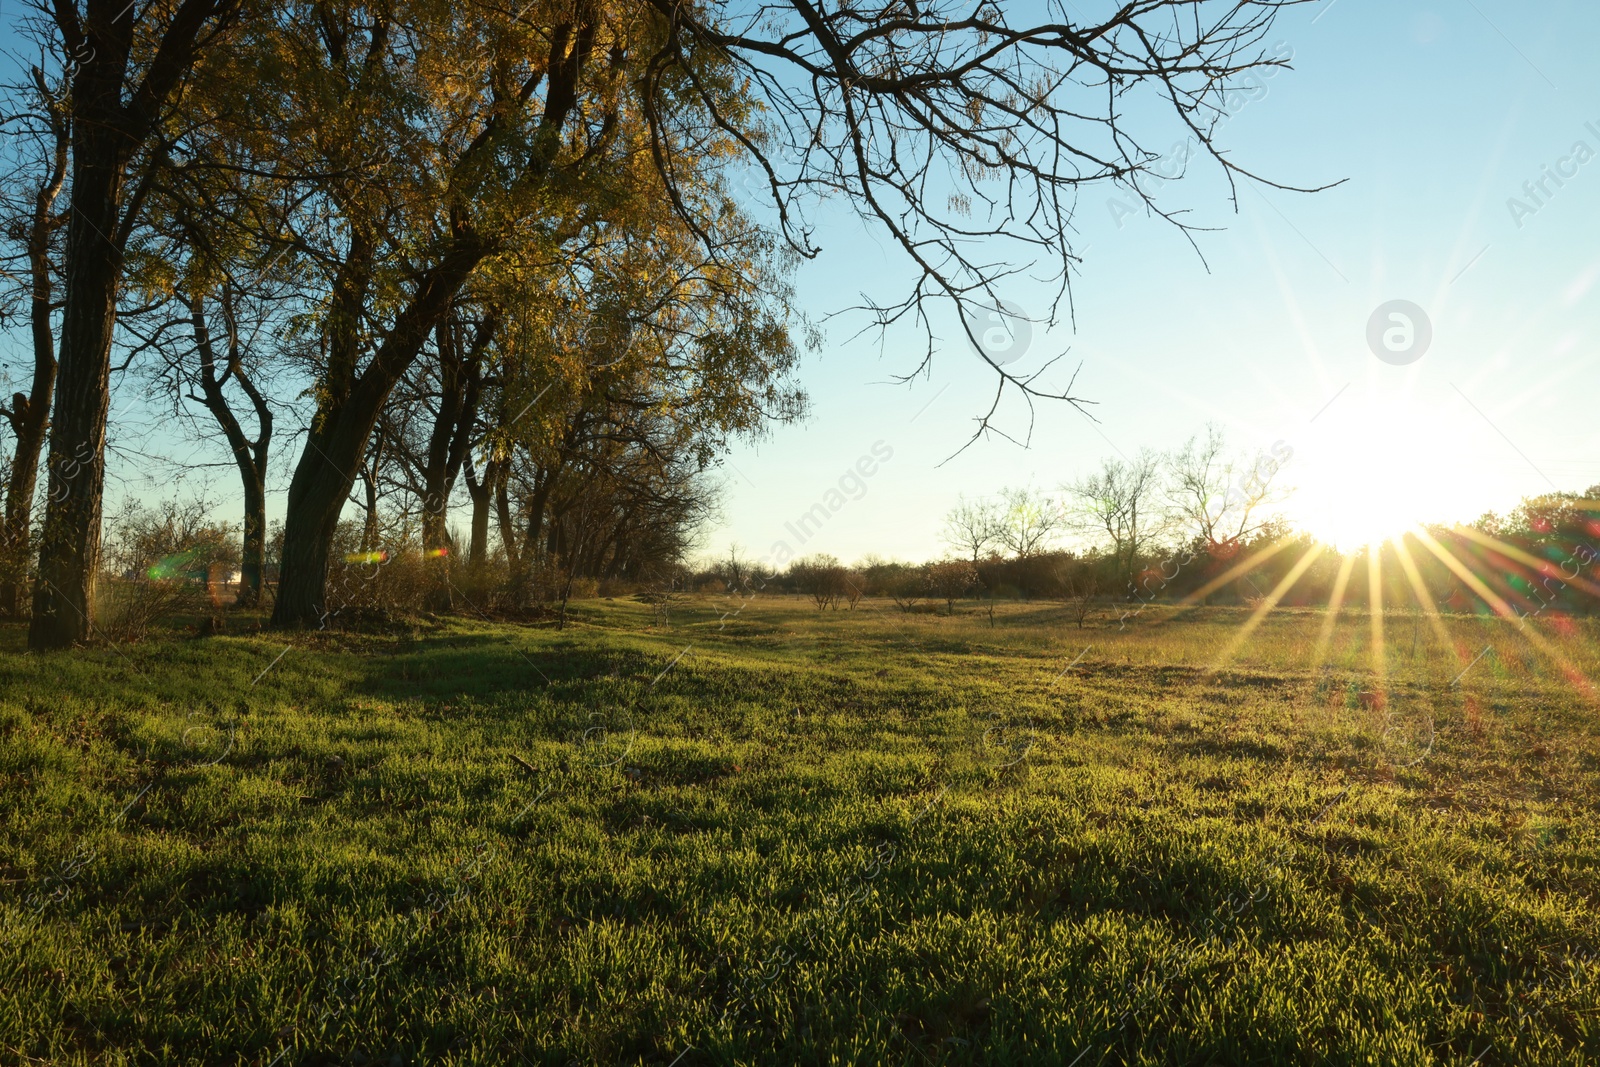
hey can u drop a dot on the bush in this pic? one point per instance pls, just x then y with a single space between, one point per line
950 578
367 585
1080 599
171 541
820 577
161 561
906 587
130 607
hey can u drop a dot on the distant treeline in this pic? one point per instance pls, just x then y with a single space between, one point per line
1538 560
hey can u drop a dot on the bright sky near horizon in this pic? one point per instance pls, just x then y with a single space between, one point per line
1440 118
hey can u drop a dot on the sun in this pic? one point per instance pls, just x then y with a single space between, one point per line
1354 516
1378 464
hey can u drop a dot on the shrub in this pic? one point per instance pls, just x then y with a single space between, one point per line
130 607
820 577
162 560
171 541
367 584
950 578
906 587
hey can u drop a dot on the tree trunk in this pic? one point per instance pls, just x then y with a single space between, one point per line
478 550
369 483
28 423
460 382
436 481
538 504
344 423
252 564
249 457
69 557
502 508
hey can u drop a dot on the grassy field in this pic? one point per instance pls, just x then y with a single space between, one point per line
784 837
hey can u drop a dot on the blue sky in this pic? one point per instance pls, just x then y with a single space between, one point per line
1434 116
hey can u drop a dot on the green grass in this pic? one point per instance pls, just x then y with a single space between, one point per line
782 837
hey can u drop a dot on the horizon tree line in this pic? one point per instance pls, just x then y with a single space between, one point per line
1202 522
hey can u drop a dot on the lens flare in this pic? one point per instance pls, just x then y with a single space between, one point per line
178 565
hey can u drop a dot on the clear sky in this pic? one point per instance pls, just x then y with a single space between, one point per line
1434 115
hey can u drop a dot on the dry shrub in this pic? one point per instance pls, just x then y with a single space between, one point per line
615 587
162 560
170 541
380 583
820 577
1080 599
528 589
949 579
130 607
371 587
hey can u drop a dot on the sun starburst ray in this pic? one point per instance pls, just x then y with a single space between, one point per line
1234 573
1330 618
1268 603
1413 574
1504 609
1380 654
1544 566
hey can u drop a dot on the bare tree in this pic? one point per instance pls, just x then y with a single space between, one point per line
906 587
1028 521
249 454
949 578
1220 500
735 567
821 577
1080 599
972 528
855 586
32 222
1122 501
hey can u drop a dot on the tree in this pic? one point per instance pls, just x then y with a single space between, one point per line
533 121
643 385
428 429
1080 598
1121 501
855 587
821 577
1027 522
949 578
249 453
129 64
973 528
735 567
529 175
1564 518
423 151
1218 500
906 586
42 135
